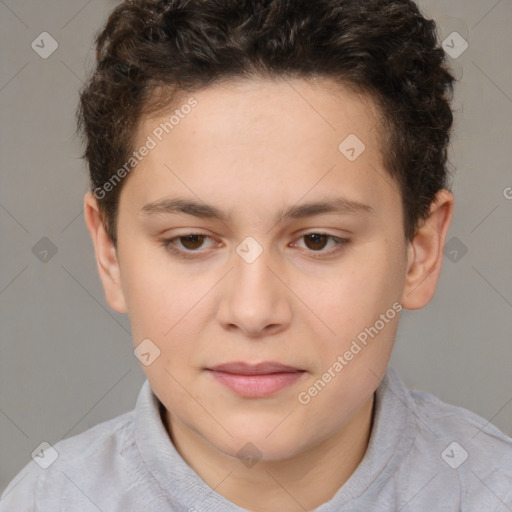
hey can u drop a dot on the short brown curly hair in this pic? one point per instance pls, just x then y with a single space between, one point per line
384 48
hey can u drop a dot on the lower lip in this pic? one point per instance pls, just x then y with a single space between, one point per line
257 386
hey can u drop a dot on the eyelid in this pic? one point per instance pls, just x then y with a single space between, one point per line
167 243
168 240
341 241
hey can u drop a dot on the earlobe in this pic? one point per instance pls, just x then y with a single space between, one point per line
426 251
106 255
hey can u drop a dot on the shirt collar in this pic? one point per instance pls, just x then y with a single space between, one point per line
391 438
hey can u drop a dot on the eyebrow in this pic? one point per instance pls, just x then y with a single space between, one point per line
338 205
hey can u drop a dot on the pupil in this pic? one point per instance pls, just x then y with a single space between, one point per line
195 241
318 240
189 240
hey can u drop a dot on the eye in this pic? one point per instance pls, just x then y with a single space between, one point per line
191 242
315 242
187 246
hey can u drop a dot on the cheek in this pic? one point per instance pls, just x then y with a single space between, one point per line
149 306
367 276
352 300
157 295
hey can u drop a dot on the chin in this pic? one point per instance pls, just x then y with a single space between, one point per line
256 444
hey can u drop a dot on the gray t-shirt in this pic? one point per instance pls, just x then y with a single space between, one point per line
423 455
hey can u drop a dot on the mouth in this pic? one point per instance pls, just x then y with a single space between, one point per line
255 381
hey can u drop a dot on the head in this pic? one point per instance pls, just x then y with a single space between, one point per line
268 183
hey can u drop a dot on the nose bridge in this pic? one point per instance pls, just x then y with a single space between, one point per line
255 298
253 272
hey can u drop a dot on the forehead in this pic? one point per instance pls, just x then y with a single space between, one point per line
257 135
253 106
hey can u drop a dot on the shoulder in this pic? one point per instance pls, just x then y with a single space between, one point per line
44 479
479 434
465 449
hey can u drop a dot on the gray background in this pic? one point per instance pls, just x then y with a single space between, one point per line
66 360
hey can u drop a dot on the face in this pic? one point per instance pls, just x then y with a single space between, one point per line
246 235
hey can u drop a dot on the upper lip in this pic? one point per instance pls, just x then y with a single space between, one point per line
265 368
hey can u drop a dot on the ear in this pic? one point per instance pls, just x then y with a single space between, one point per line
425 253
106 255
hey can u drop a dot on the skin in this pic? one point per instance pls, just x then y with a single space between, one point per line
253 148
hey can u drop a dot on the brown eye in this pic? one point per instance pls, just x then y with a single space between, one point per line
317 241
188 246
317 244
192 242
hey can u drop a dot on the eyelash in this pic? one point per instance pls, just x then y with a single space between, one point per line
167 243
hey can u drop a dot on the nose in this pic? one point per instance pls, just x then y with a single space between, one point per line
255 301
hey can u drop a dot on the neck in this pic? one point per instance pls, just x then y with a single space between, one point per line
302 482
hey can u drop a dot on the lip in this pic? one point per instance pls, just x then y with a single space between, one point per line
265 368
255 381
